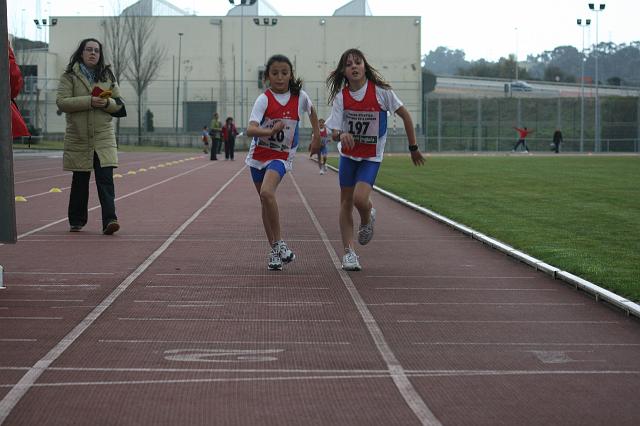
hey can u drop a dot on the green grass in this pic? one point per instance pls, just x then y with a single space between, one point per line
580 214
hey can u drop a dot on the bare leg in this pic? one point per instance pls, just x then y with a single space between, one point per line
270 213
362 201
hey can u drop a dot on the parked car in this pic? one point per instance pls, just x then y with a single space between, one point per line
520 86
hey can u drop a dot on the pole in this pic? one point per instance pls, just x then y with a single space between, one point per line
178 81
8 232
516 54
582 87
597 11
242 65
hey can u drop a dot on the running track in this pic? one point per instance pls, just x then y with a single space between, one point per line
176 320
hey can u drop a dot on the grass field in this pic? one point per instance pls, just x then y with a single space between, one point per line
578 213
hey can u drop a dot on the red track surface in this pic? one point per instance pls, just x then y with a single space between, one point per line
176 320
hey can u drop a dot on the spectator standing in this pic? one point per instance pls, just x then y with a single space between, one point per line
557 140
229 133
18 126
215 131
89 96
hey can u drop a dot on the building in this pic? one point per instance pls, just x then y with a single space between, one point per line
219 60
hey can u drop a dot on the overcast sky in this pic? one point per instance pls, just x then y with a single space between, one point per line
482 28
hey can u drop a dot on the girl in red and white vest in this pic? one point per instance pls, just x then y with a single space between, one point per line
361 101
274 125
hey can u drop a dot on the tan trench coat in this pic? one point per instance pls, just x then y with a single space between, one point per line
88 129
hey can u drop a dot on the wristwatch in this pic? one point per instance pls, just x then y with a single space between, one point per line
413 148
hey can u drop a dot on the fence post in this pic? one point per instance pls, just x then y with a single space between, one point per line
439 124
479 126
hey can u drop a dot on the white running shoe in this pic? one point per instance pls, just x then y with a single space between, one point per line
321 171
365 232
286 255
350 261
324 167
275 263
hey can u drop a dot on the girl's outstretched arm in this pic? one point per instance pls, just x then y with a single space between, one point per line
416 155
254 129
315 137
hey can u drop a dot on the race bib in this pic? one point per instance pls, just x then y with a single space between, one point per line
281 141
364 126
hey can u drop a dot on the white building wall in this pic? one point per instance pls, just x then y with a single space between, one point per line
314 45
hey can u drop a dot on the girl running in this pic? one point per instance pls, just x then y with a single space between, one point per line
273 125
361 101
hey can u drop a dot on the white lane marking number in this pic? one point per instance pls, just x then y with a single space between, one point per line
222 355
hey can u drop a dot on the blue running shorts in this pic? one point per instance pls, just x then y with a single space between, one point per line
258 174
352 172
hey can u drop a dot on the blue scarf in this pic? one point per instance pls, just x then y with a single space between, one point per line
88 73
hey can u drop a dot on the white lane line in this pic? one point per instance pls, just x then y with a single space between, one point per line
32 318
57 273
16 393
524 344
41 178
18 340
455 277
226 342
503 322
226 319
91 286
296 276
416 373
475 304
348 376
225 302
397 372
464 289
43 300
218 287
64 219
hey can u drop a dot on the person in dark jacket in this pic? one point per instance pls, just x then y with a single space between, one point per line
557 140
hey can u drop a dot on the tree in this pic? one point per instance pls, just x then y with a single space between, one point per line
116 43
145 58
445 61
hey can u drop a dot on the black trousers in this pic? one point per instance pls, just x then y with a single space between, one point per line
79 198
521 142
229 148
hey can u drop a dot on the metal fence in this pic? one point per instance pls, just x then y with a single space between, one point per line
487 124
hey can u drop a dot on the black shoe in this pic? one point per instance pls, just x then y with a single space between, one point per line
75 228
111 228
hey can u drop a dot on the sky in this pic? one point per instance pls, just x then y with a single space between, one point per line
487 29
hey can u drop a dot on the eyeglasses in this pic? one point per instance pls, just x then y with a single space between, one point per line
92 49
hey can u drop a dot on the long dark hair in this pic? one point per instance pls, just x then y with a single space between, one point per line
103 72
337 80
295 84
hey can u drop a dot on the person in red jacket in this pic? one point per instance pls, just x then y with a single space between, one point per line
522 139
18 126
229 133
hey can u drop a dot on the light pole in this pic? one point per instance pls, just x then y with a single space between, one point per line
242 3
178 87
586 24
597 147
266 22
51 22
516 53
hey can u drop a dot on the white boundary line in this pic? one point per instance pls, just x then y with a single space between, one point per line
27 381
396 371
626 305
